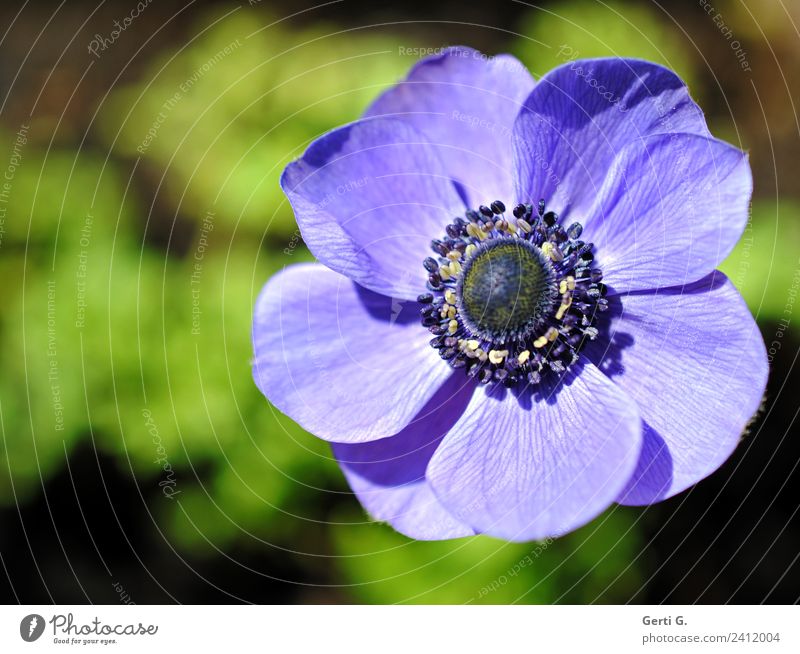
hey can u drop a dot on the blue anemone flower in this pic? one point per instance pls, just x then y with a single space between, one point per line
516 319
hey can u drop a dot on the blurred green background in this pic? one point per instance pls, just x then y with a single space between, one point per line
163 149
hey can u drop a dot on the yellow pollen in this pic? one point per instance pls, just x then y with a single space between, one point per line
452 326
449 296
497 356
473 344
455 268
470 249
562 286
444 272
571 283
451 312
566 301
552 251
454 255
524 356
552 334
540 342
524 225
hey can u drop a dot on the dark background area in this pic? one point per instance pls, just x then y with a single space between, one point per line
81 511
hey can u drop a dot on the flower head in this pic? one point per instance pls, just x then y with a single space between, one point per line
516 319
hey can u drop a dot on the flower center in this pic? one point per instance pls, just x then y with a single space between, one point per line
512 299
506 289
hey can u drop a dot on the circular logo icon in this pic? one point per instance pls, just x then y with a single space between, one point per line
31 627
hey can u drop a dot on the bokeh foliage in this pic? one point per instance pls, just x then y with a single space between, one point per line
207 133
550 37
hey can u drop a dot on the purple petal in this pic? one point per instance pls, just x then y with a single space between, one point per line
670 210
345 363
368 198
524 470
388 475
466 102
581 115
694 361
